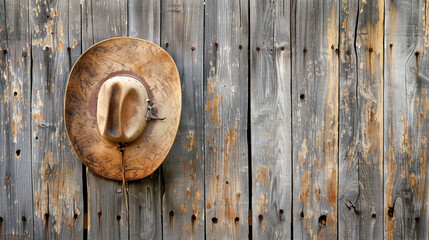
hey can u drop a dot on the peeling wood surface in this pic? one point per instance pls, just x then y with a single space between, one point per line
145 195
225 127
301 119
315 119
271 119
183 170
56 171
406 120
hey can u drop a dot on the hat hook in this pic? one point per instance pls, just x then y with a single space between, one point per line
150 114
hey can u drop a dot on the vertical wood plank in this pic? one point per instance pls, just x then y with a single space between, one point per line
16 211
361 120
406 120
226 112
102 19
57 176
271 119
183 170
315 118
145 195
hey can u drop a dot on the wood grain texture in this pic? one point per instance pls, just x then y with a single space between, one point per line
183 170
271 119
406 124
226 109
57 172
315 118
16 210
361 120
144 21
102 19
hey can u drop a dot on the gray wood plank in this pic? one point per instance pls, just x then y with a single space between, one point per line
183 170
107 215
361 120
315 82
271 119
57 172
406 120
226 113
16 211
145 195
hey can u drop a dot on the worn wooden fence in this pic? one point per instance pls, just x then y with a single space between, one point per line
301 119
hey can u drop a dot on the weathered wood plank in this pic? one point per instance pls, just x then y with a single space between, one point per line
102 19
16 211
361 120
57 173
406 120
183 170
226 112
145 195
271 119
315 118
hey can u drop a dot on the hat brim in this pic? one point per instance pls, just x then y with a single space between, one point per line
157 70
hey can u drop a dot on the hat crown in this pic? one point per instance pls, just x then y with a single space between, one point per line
121 109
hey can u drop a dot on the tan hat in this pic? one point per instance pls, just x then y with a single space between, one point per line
123 97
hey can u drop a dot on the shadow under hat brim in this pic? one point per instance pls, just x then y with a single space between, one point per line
156 69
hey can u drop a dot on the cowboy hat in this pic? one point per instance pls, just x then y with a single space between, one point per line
123 105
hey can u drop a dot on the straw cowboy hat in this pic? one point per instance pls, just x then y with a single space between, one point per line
122 107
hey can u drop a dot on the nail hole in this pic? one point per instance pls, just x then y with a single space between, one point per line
282 48
194 217
240 47
75 216
332 46
37 137
370 50
46 216
4 51
302 96
227 182
322 219
15 93
47 16
417 219
192 48
216 44
24 218
24 54
281 211
118 217
337 51
214 220
99 214
46 48
167 44
417 54
349 53
373 215
302 214
68 49
18 152
258 49
390 211
391 45
260 217
1 219
304 51
356 212
171 213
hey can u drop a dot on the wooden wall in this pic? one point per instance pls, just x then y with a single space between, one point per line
301 119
